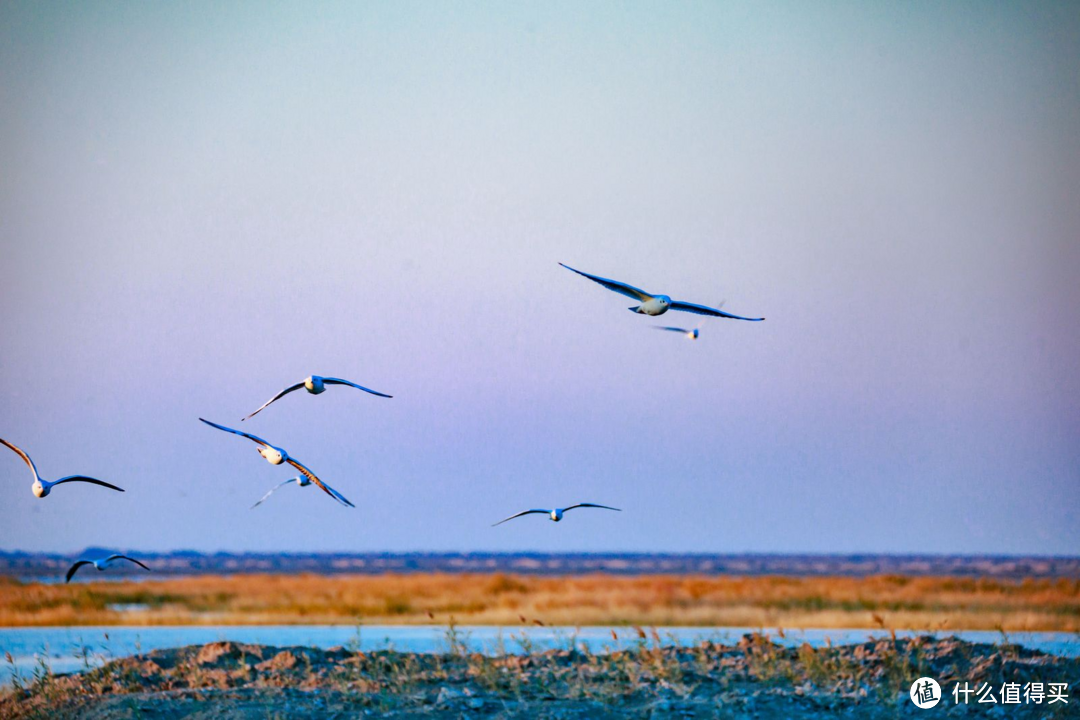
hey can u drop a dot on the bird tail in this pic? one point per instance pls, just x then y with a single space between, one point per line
636 308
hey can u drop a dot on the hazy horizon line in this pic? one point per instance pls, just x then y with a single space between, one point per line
551 553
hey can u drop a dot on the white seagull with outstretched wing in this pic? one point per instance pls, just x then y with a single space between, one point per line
275 456
692 334
315 385
556 514
41 488
100 564
657 304
300 481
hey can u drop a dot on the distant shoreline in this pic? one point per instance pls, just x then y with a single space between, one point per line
182 563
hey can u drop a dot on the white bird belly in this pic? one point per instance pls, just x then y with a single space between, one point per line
654 307
274 457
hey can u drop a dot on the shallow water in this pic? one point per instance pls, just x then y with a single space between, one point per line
70 649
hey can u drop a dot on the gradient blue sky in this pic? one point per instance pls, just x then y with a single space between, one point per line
203 203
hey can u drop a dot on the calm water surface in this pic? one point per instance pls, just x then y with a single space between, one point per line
70 649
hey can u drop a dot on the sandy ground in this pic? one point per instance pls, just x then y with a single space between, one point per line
754 678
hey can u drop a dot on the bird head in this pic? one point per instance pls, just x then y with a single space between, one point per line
664 300
39 489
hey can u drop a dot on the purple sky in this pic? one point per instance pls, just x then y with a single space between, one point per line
201 204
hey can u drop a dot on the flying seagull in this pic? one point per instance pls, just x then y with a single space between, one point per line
41 487
692 334
100 565
315 385
276 456
657 304
300 480
556 514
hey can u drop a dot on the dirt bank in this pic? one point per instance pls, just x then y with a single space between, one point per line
754 678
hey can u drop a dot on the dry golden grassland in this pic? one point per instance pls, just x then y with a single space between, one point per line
917 603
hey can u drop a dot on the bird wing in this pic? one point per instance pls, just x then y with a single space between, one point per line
83 478
701 321
71 570
339 381
523 512
325 488
671 329
605 507
24 456
263 499
702 310
281 394
622 288
238 432
125 557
